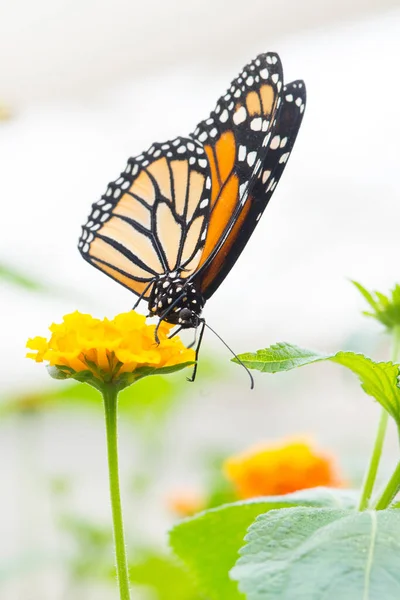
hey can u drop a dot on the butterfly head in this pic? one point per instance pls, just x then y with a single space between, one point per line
188 318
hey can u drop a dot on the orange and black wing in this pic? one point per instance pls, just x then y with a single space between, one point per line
153 219
279 148
236 139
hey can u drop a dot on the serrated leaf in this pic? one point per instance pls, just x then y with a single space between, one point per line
209 543
321 554
379 380
280 357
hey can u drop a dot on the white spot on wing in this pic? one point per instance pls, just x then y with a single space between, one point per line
242 152
275 142
251 158
256 124
242 190
240 115
284 157
265 176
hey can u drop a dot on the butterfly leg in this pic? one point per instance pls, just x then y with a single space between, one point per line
178 330
162 317
202 325
157 339
194 340
142 295
175 332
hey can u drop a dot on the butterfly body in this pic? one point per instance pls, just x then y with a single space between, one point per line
174 223
178 300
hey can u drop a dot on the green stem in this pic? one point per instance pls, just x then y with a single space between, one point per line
390 491
110 395
370 476
372 470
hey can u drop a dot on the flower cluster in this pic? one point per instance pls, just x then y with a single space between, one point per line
280 468
108 348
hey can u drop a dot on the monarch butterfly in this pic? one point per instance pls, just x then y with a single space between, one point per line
172 226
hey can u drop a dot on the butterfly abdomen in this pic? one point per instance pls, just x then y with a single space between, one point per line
176 300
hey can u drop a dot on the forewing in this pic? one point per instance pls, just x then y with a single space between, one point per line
153 219
280 146
235 138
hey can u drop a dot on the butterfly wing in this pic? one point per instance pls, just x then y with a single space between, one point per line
190 205
236 138
153 219
279 148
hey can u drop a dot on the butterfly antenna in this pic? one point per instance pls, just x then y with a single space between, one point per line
235 355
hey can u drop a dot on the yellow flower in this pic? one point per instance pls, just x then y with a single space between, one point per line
108 348
280 468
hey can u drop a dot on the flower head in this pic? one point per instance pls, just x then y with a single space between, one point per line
280 468
122 349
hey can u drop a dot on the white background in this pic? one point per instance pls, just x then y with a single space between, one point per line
91 83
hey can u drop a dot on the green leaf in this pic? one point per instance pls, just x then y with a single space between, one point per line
124 381
166 579
64 372
379 380
127 379
366 294
208 544
386 309
280 357
321 554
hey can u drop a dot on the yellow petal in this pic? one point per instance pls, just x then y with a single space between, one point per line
108 347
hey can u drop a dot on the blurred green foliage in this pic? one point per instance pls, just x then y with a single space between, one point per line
19 279
167 579
85 545
150 399
386 309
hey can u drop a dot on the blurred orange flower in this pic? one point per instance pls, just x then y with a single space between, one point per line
108 348
185 502
281 467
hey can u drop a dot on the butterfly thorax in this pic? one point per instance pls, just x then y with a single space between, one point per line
176 300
